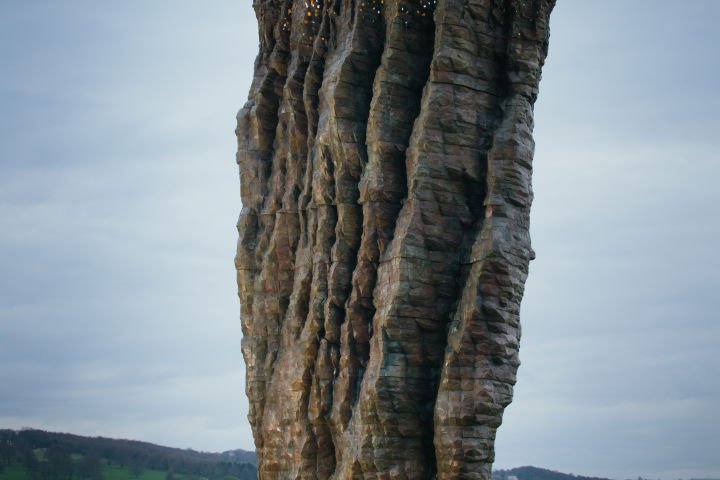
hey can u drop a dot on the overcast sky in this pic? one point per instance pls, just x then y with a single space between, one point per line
119 196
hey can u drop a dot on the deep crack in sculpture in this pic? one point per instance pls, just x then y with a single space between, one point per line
385 159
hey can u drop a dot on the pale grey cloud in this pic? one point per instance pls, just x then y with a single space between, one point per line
118 197
619 331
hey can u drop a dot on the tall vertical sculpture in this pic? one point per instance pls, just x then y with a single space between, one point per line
385 158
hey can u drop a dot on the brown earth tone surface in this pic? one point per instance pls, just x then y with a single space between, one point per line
385 160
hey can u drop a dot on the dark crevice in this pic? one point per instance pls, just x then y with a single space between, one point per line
383 183
344 161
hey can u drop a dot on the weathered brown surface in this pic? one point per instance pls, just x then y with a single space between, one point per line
385 159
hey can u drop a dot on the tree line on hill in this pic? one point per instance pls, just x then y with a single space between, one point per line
62 456
535 473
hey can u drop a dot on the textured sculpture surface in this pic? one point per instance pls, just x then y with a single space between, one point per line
385 159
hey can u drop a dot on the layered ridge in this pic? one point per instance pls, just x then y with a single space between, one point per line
385 158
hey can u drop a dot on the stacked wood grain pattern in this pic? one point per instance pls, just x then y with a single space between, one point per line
385 160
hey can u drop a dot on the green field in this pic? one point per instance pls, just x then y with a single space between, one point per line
14 472
110 472
116 472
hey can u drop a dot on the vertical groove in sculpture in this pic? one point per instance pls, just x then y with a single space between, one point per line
385 158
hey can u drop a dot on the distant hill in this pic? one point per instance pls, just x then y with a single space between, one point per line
535 473
160 462
28 446
239 456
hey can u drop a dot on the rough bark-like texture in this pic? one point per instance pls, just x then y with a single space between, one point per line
385 159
